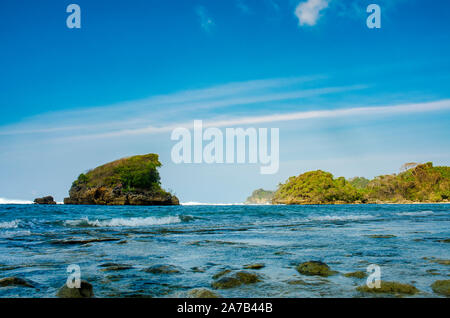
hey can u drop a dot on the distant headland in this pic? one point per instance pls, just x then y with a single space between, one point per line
417 183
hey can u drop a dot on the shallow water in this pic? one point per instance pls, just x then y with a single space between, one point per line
38 243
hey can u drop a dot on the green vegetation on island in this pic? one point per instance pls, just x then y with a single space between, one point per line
417 183
127 181
260 196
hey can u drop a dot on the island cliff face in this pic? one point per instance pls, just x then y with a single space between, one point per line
127 181
420 183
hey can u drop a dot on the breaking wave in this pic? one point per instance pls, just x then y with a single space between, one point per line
202 203
11 201
418 213
9 225
341 217
129 222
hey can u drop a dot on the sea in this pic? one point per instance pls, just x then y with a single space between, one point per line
40 243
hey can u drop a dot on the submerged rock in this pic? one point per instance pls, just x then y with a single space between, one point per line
441 287
254 266
390 288
235 280
221 273
85 291
115 267
381 236
162 269
315 268
202 293
45 200
357 274
15 281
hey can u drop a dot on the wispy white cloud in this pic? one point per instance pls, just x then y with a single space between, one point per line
206 21
309 12
389 110
138 112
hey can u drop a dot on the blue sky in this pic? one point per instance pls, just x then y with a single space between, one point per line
72 99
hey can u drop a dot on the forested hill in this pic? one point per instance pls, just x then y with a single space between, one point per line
418 183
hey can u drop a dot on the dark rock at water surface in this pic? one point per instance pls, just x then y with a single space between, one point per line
45 200
85 291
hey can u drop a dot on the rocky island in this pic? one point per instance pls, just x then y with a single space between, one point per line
127 181
418 183
260 196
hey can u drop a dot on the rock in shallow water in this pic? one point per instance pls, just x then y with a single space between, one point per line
357 274
15 281
202 293
254 266
235 280
85 291
441 287
315 268
390 288
162 269
45 200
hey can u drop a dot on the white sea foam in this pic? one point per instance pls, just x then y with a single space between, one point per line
11 201
9 225
203 203
341 217
416 213
130 222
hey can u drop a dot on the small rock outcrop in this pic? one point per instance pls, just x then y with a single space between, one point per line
162 269
390 288
202 293
15 281
312 268
235 280
85 291
127 181
254 266
357 274
45 200
441 287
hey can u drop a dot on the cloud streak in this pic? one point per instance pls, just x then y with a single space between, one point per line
389 110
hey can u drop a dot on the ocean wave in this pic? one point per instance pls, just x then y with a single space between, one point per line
416 213
203 203
9 225
129 222
341 217
12 201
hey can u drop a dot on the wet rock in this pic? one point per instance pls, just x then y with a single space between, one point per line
357 274
235 280
115 267
438 260
202 293
297 282
162 269
381 236
45 200
444 241
15 281
315 268
85 291
390 288
441 287
197 269
254 266
84 241
221 273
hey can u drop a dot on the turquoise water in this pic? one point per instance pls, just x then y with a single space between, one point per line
37 243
